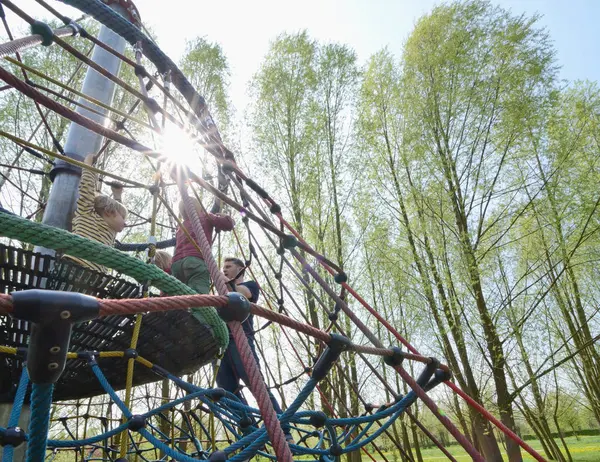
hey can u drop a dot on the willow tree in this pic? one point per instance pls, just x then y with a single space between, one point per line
206 66
384 134
474 78
282 126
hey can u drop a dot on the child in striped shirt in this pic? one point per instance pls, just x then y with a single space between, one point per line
97 217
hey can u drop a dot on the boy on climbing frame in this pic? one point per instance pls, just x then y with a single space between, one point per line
163 260
97 217
188 263
232 369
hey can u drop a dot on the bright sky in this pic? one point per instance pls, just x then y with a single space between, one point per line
244 28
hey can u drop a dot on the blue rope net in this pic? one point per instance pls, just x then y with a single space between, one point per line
317 435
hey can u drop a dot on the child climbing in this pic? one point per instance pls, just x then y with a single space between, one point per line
188 262
97 217
163 260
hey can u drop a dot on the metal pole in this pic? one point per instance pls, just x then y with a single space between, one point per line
81 141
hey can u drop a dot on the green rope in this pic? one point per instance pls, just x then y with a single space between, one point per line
18 228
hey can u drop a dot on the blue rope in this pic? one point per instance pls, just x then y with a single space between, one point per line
13 421
41 400
108 389
87 441
15 414
284 418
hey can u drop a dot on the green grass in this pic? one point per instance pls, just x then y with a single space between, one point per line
586 449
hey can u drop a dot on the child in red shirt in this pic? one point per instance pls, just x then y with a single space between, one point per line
188 262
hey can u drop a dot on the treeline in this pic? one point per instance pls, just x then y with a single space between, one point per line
457 184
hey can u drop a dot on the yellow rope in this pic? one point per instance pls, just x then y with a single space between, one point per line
55 155
144 362
129 381
8 350
111 354
78 93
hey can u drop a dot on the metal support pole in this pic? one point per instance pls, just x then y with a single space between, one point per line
81 141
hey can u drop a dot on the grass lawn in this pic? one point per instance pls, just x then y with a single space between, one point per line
586 449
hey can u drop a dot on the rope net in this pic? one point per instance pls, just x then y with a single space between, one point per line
322 349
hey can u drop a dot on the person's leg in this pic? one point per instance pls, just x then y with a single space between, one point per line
226 378
195 274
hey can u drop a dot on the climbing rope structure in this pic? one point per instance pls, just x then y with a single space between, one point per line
80 348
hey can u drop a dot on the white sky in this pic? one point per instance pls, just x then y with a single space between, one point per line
244 28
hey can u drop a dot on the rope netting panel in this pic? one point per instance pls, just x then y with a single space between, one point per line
119 337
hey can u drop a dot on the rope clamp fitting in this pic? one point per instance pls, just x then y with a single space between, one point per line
13 436
237 308
336 345
130 353
439 376
336 450
52 314
136 423
318 420
396 358
427 372
218 456
44 30
216 394
341 277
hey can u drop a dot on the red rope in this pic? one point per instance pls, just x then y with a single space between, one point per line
257 385
507 431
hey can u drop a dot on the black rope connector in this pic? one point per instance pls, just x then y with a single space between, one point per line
140 71
336 345
22 353
318 420
257 189
44 30
136 423
440 375
52 314
152 105
130 353
218 456
237 308
275 209
245 422
160 370
428 372
368 408
13 436
278 276
88 356
119 125
396 358
333 317
76 28
399 398
227 168
340 277
216 394
336 450
289 241
307 370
